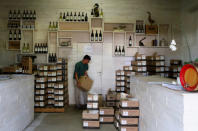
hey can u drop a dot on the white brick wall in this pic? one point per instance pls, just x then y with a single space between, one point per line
17 103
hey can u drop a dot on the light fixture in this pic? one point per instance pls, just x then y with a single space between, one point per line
173 42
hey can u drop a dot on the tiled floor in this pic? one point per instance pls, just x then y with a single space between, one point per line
68 121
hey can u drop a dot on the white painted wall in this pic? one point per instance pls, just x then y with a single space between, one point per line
164 11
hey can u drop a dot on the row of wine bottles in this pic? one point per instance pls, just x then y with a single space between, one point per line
119 51
52 58
15 35
27 15
41 48
53 25
12 24
28 25
140 28
70 17
26 48
95 36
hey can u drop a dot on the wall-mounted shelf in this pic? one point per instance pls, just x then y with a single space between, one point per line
148 47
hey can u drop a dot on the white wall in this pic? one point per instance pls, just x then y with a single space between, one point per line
189 27
164 11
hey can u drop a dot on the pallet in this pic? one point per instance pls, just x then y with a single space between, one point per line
49 110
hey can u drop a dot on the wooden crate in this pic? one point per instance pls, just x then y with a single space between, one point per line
27 63
75 26
151 29
14 45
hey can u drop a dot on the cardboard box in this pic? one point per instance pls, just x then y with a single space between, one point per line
93 97
111 97
127 79
141 73
51 73
41 79
155 69
39 104
59 104
176 62
151 29
58 91
59 98
120 89
130 103
90 115
110 103
106 119
91 124
40 92
50 90
129 121
159 57
175 68
120 72
39 98
129 112
121 96
127 68
106 111
40 86
128 128
129 73
156 63
51 79
85 83
139 57
52 85
52 67
138 63
120 83
139 69
120 78
50 96
92 105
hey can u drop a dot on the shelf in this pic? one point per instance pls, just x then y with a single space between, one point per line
148 47
24 29
96 41
73 21
14 40
52 31
96 17
14 20
143 34
64 46
72 31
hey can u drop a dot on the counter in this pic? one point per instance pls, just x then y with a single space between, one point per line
164 109
16 102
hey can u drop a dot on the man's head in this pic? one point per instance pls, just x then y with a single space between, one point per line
86 59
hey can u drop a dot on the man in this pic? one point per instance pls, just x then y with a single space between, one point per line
81 69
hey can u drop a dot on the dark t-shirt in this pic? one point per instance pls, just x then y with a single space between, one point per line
80 69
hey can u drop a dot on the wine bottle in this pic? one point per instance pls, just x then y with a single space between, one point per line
67 17
62 17
14 14
86 17
10 35
92 36
23 49
35 48
82 17
56 25
34 15
19 15
123 51
130 41
101 13
92 12
24 15
19 35
27 15
100 36
28 48
10 15
31 15
116 51
38 48
71 17
79 17
52 58
75 17
137 30
15 35
119 52
50 26
96 36
55 58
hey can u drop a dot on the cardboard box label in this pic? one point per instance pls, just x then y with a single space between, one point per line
122 88
95 105
42 92
101 119
60 103
162 63
60 86
89 106
101 112
124 104
123 122
123 129
42 85
130 68
95 97
125 113
85 124
89 98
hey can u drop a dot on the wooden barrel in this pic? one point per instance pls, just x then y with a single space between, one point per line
189 77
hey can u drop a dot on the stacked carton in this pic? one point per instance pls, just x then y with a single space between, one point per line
139 65
51 87
174 69
128 71
90 116
120 81
156 65
111 99
128 115
106 115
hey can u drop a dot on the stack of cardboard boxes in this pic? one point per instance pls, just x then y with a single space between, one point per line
174 69
128 118
90 116
106 115
139 65
120 81
51 87
128 71
111 99
156 65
